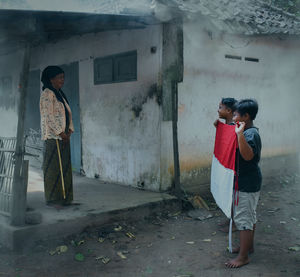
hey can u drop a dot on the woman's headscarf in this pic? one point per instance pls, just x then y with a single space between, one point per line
49 73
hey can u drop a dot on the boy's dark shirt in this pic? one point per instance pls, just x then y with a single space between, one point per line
249 177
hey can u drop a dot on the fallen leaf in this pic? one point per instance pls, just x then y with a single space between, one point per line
294 248
52 252
130 235
101 239
80 242
118 229
190 242
176 214
120 254
105 260
79 257
62 249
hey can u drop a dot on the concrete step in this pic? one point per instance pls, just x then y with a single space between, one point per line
17 238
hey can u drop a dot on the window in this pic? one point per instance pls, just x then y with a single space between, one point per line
117 68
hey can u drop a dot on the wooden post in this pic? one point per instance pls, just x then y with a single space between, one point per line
172 65
18 204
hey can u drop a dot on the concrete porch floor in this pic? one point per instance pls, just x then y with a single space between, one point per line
100 203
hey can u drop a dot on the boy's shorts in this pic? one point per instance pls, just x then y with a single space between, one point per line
244 214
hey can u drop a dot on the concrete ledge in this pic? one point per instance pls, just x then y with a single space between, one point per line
100 203
16 238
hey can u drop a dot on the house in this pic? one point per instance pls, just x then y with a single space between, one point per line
125 66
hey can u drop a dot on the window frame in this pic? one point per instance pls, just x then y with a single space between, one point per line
114 61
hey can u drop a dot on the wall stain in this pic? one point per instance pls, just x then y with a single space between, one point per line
137 102
147 181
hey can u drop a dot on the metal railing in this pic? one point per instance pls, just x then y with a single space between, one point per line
7 153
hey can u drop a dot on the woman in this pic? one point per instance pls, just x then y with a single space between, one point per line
56 127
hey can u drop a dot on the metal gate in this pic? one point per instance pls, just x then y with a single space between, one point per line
7 152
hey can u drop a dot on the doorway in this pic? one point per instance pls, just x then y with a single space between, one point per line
71 89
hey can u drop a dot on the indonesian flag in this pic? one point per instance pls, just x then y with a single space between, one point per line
223 166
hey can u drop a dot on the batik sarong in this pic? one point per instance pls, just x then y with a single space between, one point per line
52 173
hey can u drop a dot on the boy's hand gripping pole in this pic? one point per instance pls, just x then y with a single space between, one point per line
61 170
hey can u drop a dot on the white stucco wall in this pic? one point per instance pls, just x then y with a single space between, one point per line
10 66
116 144
274 81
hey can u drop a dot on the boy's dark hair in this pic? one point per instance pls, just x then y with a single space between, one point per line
248 106
229 103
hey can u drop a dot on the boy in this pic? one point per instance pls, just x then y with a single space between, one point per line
249 178
226 109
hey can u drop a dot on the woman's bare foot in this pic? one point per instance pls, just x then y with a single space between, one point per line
237 262
237 250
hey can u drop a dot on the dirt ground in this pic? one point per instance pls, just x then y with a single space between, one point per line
172 244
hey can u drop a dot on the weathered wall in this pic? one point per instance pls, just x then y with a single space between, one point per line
120 122
274 81
10 68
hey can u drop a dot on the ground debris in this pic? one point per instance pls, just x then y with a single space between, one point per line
118 228
130 235
200 214
80 242
79 257
190 242
198 202
273 210
59 250
103 259
207 240
121 255
294 248
175 214
101 239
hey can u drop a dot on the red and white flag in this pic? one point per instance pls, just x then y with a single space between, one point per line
223 166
